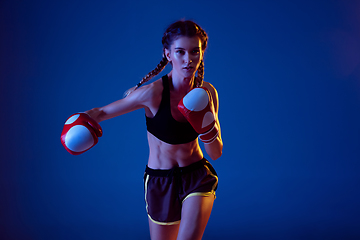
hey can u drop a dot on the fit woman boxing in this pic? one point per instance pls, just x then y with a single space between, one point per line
180 107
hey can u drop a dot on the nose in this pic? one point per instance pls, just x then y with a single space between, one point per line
188 59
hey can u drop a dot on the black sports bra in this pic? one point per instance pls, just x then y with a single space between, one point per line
164 126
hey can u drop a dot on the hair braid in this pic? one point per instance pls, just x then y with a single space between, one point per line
200 75
150 75
204 37
175 30
200 71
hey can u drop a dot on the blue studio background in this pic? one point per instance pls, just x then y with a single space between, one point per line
288 78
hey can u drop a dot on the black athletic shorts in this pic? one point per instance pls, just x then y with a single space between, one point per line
166 190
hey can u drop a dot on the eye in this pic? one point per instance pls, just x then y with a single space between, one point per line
196 51
180 51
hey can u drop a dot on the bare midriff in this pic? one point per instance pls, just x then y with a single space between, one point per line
166 156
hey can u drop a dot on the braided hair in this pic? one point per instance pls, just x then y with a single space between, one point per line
174 31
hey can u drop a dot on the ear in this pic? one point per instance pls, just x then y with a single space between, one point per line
167 54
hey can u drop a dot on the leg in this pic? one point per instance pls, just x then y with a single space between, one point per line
195 214
163 232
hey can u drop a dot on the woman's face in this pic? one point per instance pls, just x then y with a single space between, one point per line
185 55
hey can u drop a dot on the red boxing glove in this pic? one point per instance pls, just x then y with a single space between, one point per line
80 133
198 109
210 135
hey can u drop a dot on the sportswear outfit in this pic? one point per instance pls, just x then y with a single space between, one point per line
166 190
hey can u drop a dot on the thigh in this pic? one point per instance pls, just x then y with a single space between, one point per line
194 216
162 202
163 232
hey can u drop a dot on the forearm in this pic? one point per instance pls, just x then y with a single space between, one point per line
114 109
214 149
98 114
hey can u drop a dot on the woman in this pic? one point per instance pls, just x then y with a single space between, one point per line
179 183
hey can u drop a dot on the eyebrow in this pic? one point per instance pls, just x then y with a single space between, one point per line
184 48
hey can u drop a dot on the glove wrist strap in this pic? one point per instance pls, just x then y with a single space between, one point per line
210 136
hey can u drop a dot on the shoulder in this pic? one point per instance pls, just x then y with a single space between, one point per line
208 85
211 88
147 93
153 89
213 93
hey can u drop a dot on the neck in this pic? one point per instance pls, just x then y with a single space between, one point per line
181 84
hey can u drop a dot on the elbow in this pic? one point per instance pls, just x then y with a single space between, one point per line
216 153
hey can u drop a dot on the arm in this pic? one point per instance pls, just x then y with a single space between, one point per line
136 100
81 131
214 149
200 108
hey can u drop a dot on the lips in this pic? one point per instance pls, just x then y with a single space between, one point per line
188 68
